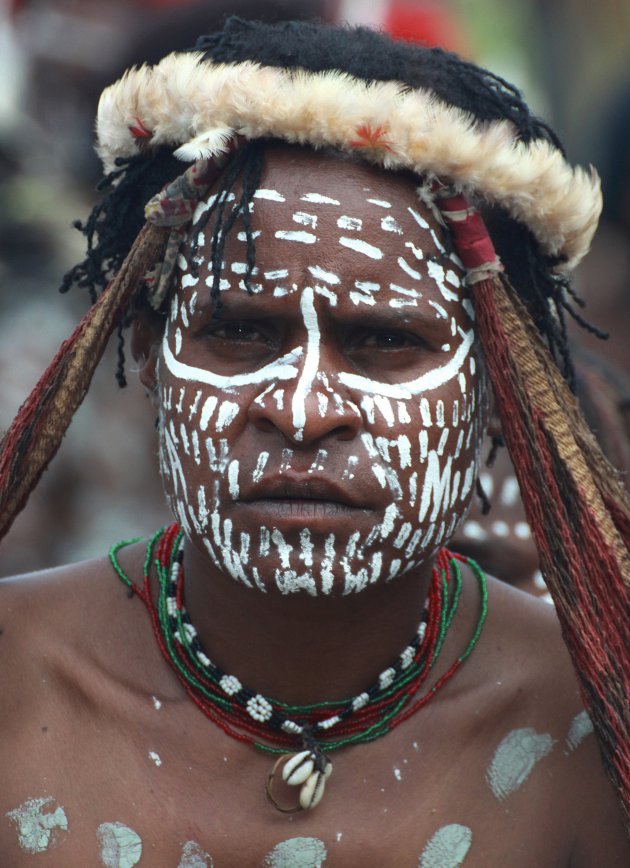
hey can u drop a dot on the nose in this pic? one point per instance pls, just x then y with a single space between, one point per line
322 412
309 408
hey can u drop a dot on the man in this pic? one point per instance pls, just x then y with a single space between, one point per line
313 342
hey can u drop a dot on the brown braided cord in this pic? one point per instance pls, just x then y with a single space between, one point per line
38 429
579 514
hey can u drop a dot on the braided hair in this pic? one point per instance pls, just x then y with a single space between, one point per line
368 55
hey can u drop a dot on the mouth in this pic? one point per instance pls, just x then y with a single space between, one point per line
301 490
301 508
303 498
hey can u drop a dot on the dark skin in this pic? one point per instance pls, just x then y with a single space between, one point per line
82 673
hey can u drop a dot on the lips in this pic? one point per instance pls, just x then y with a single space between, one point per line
301 492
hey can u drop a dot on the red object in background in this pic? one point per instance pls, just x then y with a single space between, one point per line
429 23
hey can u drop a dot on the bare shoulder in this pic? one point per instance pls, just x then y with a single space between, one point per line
537 696
63 629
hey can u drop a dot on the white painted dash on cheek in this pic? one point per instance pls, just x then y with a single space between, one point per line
403 415
233 471
305 219
389 224
439 414
387 525
189 280
319 199
260 466
178 341
360 246
425 412
404 450
298 236
443 440
385 409
321 274
278 274
353 224
424 445
380 203
226 415
207 411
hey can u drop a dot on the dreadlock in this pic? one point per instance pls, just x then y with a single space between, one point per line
367 55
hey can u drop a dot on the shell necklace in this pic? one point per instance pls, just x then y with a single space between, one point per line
277 727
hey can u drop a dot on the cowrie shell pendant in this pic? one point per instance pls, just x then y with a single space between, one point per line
306 770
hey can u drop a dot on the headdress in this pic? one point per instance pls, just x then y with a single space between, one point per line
578 511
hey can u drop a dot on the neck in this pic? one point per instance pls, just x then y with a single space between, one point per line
299 649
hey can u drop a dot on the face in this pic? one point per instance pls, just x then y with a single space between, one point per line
323 435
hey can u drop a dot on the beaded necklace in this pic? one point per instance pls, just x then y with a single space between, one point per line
274 726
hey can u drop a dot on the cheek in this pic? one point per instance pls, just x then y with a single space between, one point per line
424 452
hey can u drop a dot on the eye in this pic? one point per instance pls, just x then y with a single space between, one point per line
390 340
237 331
386 339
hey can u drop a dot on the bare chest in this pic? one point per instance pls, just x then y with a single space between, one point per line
163 793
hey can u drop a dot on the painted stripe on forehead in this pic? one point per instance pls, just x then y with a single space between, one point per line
297 235
319 199
361 247
272 195
431 380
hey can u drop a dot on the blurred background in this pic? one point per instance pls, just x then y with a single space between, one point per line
570 57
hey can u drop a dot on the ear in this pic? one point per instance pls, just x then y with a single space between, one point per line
146 335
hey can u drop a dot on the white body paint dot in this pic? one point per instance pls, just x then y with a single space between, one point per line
581 726
515 759
193 856
120 846
155 757
297 853
41 824
449 846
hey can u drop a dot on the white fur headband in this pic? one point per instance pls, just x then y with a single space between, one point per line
196 106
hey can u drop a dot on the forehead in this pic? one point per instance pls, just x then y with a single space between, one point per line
343 224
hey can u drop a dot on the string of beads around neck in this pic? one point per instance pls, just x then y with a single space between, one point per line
276 727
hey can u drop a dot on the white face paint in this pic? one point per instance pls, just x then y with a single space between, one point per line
326 385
